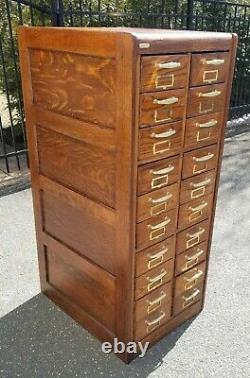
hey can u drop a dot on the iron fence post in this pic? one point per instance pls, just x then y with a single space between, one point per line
190 12
57 13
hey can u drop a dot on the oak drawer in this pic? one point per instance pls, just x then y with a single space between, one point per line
162 107
191 257
189 279
160 141
195 211
199 161
206 99
156 175
153 279
156 229
152 310
187 299
209 68
202 130
157 202
163 72
154 256
192 236
197 187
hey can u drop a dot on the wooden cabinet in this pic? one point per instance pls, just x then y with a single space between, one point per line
125 131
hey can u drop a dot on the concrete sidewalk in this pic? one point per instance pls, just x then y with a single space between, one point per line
38 340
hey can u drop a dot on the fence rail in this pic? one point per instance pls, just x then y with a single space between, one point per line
206 15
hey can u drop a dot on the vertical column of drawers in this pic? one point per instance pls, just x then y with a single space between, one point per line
205 109
161 137
181 111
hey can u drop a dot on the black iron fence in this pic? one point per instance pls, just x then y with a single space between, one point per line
169 14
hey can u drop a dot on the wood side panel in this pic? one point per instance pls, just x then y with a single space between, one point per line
84 283
81 224
95 135
87 169
74 85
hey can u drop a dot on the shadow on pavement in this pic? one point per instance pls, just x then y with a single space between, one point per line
39 340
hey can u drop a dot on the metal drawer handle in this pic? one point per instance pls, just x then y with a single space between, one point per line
211 123
166 101
200 207
162 199
192 296
194 277
166 134
203 158
159 225
156 321
169 65
214 62
158 254
201 183
157 278
195 256
157 300
210 94
196 234
163 171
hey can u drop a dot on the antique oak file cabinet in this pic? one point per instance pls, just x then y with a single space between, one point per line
125 130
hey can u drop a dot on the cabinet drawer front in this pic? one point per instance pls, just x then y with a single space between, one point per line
157 202
199 161
160 141
154 279
197 187
209 68
152 311
195 211
206 99
191 257
192 236
163 72
156 229
188 298
162 107
157 175
203 130
154 256
189 279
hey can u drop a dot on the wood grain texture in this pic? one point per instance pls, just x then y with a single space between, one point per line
197 186
74 85
205 70
154 77
86 169
84 283
192 166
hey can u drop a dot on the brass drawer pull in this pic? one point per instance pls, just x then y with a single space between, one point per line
214 62
156 259
163 171
200 207
214 93
211 123
162 199
201 183
194 257
154 323
156 281
203 158
156 303
168 65
159 225
192 280
194 238
188 300
165 134
166 101
193 260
